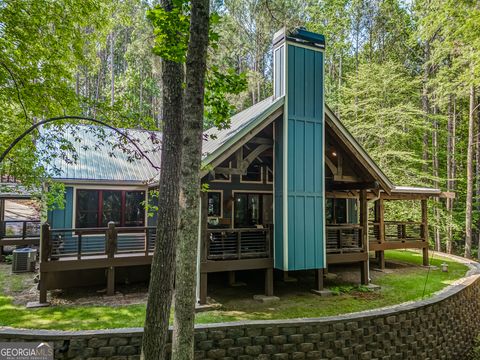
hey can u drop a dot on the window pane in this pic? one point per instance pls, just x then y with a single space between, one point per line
241 203
112 207
329 211
134 209
248 210
341 211
87 208
214 204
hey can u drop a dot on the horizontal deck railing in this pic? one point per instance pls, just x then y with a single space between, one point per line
344 238
19 229
236 244
78 243
397 231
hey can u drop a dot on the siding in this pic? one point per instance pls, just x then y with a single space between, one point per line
302 132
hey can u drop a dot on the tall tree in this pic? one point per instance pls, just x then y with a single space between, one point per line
163 263
185 294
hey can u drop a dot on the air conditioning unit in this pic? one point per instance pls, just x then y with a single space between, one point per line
24 260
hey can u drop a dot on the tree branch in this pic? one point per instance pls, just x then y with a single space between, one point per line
74 117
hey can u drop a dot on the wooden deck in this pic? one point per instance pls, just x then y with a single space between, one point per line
19 233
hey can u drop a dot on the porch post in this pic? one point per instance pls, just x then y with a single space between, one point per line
364 225
111 246
319 279
425 235
380 220
44 256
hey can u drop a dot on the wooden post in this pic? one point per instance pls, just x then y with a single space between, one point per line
364 273
269 282
111 247
319 279
44 257
425 235
364 234
231 278
380 219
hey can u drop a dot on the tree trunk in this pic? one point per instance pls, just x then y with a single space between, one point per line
185 280
112 69
451 130
425 106
469 199
435 165
477 178
163 264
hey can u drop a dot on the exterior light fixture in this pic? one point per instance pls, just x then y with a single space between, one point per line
334 153
444 267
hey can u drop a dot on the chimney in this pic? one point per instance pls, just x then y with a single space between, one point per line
298 61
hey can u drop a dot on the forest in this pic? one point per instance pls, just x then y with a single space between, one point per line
403 76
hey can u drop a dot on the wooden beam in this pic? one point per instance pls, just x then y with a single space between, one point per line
356 186
345 178
396 245
228 171
253 155
331 166
261 141
233 265
346 258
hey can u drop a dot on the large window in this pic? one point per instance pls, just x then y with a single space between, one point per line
96 208
341 211
252 210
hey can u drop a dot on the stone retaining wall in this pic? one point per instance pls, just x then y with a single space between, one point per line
442 327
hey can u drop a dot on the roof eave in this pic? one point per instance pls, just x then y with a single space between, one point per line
276 104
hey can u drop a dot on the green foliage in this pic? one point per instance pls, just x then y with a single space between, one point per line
171 30
220 85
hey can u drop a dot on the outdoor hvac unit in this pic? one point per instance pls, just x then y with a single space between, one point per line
24 260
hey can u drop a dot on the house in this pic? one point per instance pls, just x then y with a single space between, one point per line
289 188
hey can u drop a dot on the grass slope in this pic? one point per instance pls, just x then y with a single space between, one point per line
400 286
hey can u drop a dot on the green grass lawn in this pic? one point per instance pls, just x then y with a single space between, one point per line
405 283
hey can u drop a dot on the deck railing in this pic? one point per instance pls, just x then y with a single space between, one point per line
103 242
344 238
19 229
236 244
397 231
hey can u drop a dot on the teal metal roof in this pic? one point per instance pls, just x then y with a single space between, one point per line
107 158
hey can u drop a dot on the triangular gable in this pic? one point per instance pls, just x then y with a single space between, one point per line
220 144
357 150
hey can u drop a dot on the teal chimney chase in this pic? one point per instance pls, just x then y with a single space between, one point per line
299 151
